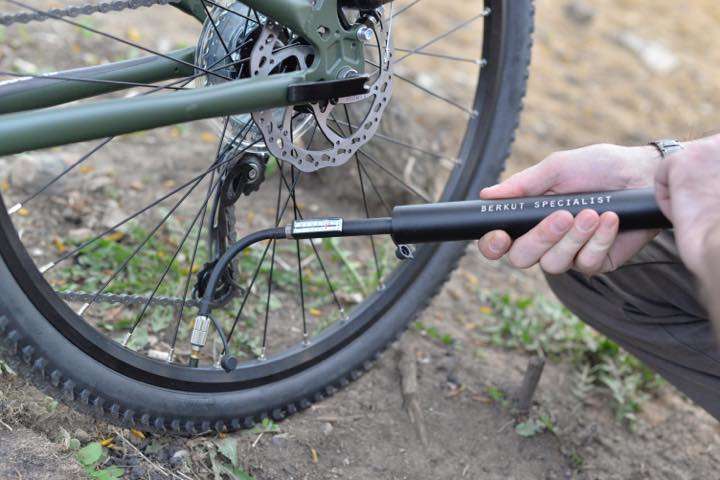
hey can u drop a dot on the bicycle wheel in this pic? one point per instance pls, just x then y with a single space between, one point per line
97 303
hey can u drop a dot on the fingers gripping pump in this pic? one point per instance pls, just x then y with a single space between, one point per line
437 222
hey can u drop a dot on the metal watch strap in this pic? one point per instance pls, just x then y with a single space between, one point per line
667 146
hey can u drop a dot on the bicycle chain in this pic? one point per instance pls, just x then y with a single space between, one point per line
76 11
125 299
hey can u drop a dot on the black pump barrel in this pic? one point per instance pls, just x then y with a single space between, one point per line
469 220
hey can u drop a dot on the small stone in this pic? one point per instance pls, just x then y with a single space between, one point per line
97 183
82 436
654 55
178 458
137 472
80 234
278 440
326 428
29 173
580 12
113 215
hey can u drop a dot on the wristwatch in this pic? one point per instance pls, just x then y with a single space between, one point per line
667 147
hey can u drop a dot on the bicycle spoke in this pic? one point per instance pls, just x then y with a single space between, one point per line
450 161
410 188
332 289
211 188
189 275
278 216
259 265
385 204
117 39
214 25
378 272
405 8
297 242
446 34
127 261
472 113
134 253
475 61
217 5
184 81
299 263
455 104
153 204
15 208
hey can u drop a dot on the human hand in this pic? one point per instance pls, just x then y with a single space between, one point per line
688 192
589 242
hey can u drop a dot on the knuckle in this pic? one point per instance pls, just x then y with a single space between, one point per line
552 266
587 265
518 260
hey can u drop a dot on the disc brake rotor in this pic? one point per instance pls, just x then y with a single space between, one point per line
342 137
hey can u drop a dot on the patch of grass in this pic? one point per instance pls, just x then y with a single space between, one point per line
542 326
432 332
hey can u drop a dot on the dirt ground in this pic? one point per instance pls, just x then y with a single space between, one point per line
589 83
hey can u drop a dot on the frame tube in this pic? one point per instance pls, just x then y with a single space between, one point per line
32 93
21 132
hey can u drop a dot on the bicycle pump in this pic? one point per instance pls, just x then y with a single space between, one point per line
445 222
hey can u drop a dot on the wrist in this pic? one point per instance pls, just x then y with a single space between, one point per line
641 165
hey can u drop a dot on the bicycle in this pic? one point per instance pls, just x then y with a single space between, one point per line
298 90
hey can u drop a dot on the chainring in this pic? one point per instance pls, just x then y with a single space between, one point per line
276 125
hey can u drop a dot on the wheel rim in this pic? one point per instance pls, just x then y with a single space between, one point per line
291 360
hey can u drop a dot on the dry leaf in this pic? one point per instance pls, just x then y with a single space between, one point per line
471 279
59 245
23 212
115 236
134 34
486 310
107 442
137 433
85 169
315 312
208 137
314 455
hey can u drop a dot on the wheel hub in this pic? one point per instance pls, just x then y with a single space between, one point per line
342 136
312 136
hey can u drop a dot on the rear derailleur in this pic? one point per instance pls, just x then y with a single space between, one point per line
240 176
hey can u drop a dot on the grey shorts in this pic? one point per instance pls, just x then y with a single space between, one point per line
651 307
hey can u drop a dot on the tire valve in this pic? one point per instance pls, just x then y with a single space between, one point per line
198 338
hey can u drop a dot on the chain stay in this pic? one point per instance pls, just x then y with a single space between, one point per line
80 10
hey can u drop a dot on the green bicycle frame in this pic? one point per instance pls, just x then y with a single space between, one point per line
26 122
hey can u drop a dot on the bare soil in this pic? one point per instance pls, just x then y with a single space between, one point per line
585 87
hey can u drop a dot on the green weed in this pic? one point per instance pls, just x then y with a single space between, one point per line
541 326
91 456
432 332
